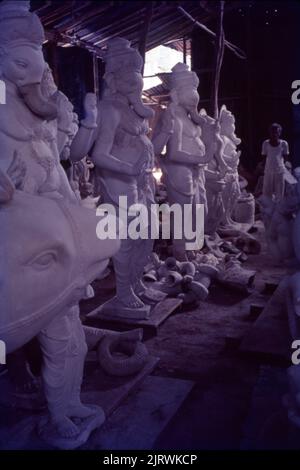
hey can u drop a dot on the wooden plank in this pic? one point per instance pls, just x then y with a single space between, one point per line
158 315
19 431
143 416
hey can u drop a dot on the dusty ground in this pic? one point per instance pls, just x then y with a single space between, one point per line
202 345
236 400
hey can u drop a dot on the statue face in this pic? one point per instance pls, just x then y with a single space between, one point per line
129 82
188 98
48 256
228 124
23 65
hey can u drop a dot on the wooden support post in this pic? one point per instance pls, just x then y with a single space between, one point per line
96 75
250 94
184 50
144 32
219 53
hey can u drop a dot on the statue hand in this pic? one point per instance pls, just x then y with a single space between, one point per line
90 108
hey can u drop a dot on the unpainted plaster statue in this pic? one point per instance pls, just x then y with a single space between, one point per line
231 155
24 120
124 158
49 255
44 247
179 128
215 171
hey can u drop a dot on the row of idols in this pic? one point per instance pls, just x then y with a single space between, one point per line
49 251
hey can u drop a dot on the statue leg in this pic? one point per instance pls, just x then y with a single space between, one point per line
141 256
201 197
144 248
226 195
233 198
122 261
174 197
76 360
122 264
62 370
230 199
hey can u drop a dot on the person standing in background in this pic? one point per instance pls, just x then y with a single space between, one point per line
276 151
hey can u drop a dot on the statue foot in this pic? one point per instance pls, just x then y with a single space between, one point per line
128 307
66 428
65 434
80 411
131 300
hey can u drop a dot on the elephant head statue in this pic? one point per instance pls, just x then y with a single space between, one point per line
49 253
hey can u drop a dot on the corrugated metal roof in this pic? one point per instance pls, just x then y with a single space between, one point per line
92 23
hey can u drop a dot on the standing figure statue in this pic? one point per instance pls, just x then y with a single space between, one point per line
29 138
65 126
124 158
186 157
231 155
24 120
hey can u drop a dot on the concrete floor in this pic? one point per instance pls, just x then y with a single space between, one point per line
221 411
204 393
224 409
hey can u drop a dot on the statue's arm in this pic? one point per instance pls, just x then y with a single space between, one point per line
86 135
102 156
162 132
159 141
82 142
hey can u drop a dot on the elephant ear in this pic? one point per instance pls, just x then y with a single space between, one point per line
7 188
